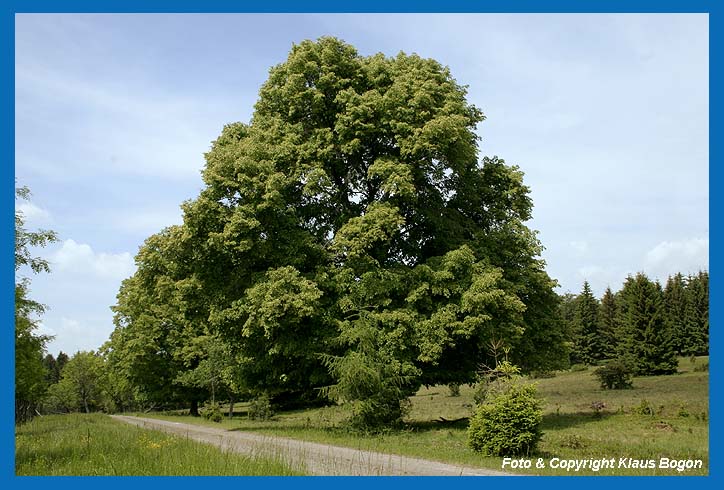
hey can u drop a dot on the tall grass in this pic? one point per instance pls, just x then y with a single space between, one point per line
94 444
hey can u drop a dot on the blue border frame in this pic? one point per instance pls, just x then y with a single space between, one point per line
7 204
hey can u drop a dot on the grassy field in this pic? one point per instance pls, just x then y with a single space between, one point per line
662 416
94 444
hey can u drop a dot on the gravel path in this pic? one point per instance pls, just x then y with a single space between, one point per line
310 457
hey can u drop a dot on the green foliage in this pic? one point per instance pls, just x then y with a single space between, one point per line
31 376
260 408
588 341
615 375
508 422
695 331
702 368
83 376
212 412
61 397
608 324
348 237
644 408
646 340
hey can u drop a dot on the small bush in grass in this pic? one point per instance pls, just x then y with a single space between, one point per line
212 412
508 422
702 368
614 376
260 408
644 408
578 368
454 389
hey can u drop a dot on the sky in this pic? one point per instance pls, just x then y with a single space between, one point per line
607 115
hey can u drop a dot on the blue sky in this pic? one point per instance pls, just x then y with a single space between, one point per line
607 115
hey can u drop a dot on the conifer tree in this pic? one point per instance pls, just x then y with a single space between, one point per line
675 299
589 343
646 343
608 323
696 315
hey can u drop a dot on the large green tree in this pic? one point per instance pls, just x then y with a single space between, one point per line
349 236
30 372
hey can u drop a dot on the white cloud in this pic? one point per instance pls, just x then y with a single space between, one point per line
670 257
80 258
71 335
33 213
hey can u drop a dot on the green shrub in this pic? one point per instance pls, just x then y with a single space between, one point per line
702 368
212 412
260 408
614 376
454 389
578 368
508 422
644 408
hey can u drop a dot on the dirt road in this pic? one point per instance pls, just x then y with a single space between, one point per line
310 457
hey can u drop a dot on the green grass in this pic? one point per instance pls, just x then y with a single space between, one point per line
678 428
95 444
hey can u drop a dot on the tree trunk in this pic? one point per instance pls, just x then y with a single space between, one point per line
231 407
194 410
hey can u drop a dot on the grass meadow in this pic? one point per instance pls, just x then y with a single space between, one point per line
95 445
662 416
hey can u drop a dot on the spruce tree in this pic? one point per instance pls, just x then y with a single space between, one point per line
608 323
675 299
646 341
588 341
696 315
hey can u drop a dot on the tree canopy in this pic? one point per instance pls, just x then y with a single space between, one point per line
348 238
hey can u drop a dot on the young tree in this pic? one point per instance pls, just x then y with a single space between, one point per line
646 340
30 373
83 375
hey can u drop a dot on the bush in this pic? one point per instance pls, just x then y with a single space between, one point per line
454 389
644 408
508 422
260 408
702 368
212 412
614 376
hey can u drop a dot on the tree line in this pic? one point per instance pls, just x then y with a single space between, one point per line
644 324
